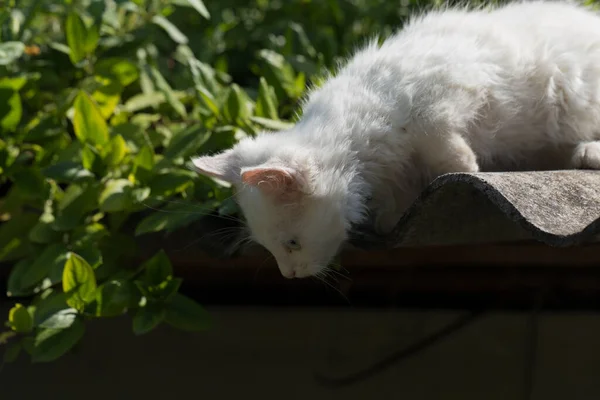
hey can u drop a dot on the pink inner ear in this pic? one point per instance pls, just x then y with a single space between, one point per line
275 181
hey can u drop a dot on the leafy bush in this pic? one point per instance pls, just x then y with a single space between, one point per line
102 103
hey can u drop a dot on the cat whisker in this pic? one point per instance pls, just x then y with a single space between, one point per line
262 264
323 278
205 213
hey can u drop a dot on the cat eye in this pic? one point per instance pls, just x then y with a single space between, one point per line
292 244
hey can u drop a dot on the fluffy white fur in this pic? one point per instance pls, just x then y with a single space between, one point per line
513 88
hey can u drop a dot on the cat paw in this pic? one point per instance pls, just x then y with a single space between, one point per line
586 156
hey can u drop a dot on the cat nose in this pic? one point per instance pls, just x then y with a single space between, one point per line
290 274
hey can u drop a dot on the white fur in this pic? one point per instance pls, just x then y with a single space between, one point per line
456 90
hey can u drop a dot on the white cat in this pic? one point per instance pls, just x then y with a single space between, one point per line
456 90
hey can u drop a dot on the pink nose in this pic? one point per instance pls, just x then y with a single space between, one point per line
290 275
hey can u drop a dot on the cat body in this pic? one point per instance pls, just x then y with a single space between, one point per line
456 90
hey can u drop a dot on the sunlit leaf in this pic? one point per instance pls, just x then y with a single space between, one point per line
61 319
50 344
67 172
142 101
170 29
120 69
270 124
107 97
117 149
78 281
11 109
88 123
116 195
209 100
10 52
197 4
266 103
19 319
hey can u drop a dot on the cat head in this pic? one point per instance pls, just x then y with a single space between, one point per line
289 207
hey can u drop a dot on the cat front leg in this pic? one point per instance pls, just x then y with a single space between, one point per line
435 156
443 154
586 156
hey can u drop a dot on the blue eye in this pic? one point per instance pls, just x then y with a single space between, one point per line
293 244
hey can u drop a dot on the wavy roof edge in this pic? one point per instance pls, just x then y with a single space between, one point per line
558 208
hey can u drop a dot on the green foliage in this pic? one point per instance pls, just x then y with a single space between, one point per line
102 102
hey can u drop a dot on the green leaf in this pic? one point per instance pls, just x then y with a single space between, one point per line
236 105
88 156
13 233
184 313
88 123
197 4
170 29
116 195
171 182
50 344
91 39
10 52
120 69
270 124
19 319
79 282
148 318
173 217
187 142
143 164
42 232
12 353
29 273
209 100
48 304
142 101
165 88
11 109
107 97
279 74
15 83
144 159
115 297
117 149
157 269
266 103
67 172
74 204
76 34
31 184
167 289
61 319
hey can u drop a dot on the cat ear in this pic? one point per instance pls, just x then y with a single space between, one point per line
222 166
283 183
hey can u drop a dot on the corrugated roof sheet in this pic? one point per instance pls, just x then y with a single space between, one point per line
559 208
